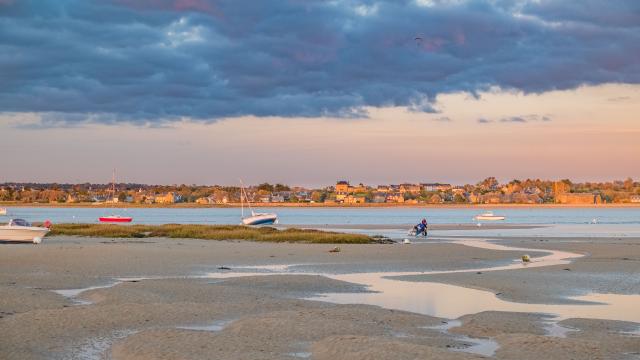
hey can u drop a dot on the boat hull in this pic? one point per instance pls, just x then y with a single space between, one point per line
22 233
108 219
490 218
260 219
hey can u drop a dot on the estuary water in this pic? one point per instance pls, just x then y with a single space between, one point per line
593 221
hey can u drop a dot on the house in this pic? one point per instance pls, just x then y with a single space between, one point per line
578 198
355 199
379 197
491 198
304 196
277 198
264 198
342 186
205 200
429 187
395 197
361 188
634 198
410 188
168 198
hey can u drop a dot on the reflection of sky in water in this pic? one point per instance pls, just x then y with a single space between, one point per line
450 301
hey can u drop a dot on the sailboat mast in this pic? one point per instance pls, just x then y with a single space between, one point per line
113 186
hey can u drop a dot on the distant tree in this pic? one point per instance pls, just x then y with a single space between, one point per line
122 197
489 183
318 196
458 198
628 184
265 187
282 187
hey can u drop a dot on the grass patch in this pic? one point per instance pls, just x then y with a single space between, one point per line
209 232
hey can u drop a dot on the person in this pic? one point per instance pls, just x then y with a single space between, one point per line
421 228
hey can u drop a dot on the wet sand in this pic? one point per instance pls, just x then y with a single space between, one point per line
179 315
484 226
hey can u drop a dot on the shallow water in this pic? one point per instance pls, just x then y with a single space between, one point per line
72 294
97 348
437 299
213 327
324 216
451 302
484 347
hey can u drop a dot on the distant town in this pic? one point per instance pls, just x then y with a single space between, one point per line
343 192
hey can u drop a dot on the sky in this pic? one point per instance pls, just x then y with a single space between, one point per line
309 92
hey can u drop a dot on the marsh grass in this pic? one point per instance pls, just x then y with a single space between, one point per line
209 232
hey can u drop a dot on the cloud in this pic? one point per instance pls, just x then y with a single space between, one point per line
514 119
619 99
443 119
520 119
113 61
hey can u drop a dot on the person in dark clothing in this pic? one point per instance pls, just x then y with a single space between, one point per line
421 228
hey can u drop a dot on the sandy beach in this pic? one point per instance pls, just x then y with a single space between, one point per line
167 299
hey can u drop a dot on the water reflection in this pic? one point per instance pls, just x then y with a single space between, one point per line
450 301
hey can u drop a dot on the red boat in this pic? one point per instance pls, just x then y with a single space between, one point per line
116 219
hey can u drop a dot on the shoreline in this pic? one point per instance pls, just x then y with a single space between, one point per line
318 205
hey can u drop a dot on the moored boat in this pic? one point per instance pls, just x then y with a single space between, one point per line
22 231
255 218
3 211
489 216
260 219
115 219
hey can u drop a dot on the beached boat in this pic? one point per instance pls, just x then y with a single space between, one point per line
114 218
21 230
489 216
255 218
3 211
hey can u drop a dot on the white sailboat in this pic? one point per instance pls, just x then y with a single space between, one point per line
255 218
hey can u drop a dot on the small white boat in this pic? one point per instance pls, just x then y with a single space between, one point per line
3 211
489 216
255 218
21 230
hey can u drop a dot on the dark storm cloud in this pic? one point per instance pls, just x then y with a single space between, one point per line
147 61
